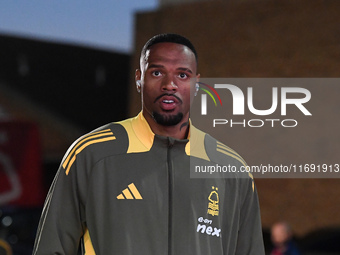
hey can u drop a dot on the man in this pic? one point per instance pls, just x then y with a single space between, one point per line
126 188
282 238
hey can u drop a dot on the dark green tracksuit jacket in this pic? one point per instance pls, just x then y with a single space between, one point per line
123 190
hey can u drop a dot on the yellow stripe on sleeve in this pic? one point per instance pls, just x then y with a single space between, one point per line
83 139
231 155
230 152
84 146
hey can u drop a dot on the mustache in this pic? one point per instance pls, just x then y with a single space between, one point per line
167 94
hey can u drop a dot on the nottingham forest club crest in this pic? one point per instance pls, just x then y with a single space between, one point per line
208 227
213 202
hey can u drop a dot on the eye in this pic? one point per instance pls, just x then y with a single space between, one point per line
182 75
156 73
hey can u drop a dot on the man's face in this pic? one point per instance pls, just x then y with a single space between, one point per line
168 77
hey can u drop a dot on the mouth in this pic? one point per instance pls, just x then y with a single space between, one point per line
168 102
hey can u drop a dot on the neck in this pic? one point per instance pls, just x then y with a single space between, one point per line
179 131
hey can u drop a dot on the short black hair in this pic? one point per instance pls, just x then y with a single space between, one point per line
171 38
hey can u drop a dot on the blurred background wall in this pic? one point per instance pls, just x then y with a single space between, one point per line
263 39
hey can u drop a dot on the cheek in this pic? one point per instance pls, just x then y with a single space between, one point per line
188 97
145 94
149 95
186 93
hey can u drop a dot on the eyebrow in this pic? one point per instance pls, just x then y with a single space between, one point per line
155 66
161 66
184 69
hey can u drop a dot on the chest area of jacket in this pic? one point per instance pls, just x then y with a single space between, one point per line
156 186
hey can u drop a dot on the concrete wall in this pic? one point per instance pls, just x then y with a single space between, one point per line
284 38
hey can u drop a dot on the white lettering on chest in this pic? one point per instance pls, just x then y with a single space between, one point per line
206 229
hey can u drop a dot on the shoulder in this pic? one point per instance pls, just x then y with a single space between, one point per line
110 139
214 150
218 154
226 156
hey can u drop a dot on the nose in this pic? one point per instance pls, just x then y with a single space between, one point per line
168 85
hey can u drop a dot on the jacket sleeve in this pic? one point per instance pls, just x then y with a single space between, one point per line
250 237
62 221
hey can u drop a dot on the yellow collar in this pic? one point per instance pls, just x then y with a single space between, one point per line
141 137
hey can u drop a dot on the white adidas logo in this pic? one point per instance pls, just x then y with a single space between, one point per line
130 193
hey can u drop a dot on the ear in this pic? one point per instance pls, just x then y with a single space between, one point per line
197 86
138 80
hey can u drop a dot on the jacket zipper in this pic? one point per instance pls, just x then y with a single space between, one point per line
170 183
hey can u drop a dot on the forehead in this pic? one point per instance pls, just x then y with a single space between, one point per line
170 53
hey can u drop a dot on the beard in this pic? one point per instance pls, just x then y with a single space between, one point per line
167 120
